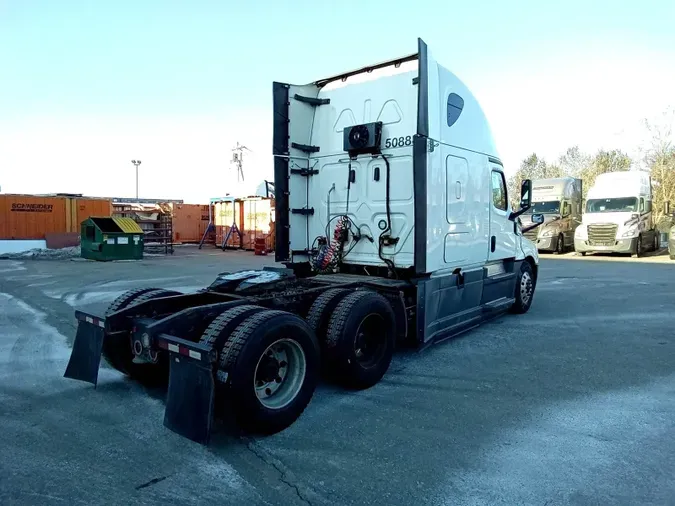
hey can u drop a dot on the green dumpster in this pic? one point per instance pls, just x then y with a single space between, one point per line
111 239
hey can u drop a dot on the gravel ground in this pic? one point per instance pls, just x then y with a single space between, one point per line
572 403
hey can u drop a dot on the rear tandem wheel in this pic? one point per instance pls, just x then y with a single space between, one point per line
360 339
272 365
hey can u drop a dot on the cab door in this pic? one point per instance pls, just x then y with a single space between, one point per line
502 243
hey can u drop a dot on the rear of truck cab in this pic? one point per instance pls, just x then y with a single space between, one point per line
430 188
321 180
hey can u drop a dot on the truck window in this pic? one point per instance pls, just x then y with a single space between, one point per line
566 209
622 204
546 207
642 205
455 106
498 190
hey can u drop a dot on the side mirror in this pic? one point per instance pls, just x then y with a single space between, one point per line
526 194
525 199
538 219
666 208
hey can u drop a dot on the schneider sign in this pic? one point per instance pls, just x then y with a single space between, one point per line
32 208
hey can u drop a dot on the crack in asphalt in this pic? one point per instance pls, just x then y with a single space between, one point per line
282 474
151 482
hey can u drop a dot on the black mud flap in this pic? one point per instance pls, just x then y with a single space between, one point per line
190 397
86 355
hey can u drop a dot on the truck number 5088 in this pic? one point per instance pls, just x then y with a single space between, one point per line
395 142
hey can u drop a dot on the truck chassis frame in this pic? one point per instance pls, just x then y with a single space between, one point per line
152 328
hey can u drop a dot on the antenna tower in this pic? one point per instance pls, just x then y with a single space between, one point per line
238 160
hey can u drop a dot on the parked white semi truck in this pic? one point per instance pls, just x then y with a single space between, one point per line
618 216
560 201
393 224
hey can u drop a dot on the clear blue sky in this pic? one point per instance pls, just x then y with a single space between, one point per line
112 67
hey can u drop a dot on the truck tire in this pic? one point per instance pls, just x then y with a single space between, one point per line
638 247
560 245
272 365
320 311
153 294
122 358
525 285
222 326
125 299
360 339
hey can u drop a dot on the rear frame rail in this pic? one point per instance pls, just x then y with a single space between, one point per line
191 321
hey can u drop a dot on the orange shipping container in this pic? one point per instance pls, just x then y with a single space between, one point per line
31 216
256 220
89 207
225 215
189 222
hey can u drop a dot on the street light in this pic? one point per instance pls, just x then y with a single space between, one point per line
136 163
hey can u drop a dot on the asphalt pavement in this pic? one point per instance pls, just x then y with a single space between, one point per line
572 403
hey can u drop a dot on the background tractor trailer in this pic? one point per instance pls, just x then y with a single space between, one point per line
560 201
618 216
392 226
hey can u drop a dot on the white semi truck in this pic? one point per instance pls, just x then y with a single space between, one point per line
618 216
560 201
393 224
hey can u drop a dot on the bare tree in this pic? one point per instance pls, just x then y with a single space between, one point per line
659 159
574 162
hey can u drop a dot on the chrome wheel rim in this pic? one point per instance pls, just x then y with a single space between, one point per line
525 287
280 373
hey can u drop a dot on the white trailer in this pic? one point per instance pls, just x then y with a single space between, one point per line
618 215
393 224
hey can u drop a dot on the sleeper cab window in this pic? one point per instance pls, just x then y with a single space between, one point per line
455 106
498 190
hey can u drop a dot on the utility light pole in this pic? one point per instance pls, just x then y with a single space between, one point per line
136 163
